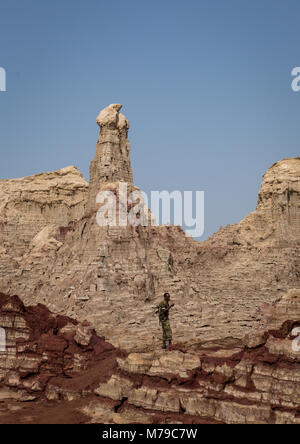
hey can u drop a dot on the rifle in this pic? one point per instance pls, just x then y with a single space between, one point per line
156 308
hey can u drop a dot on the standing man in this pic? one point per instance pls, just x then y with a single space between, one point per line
163 311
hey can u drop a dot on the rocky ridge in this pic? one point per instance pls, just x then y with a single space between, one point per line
42 351
54 358
29 204
113 276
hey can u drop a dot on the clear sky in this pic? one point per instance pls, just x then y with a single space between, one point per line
206 85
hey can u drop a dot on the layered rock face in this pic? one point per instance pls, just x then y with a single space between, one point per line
276 220
40 352
112 276
243 280
278 201
256 382
252 381
111 162
48 357
29 204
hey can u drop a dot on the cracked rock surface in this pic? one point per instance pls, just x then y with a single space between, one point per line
229 291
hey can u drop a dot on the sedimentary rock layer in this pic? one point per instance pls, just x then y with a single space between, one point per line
112 160
48 357
29 204
113 276
42 353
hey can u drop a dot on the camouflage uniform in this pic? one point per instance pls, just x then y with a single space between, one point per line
164 320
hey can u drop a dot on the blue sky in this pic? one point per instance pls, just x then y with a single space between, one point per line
206 85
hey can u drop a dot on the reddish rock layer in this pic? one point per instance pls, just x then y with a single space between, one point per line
55 358
45 353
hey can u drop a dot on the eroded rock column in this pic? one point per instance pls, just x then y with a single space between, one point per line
112 160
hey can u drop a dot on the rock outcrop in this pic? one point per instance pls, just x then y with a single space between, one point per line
247 384
42 353
112 161
279 200
276 220
112 276
252 381
29 204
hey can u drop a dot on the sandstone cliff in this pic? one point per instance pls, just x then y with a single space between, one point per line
111 162
245 279
41 350
112 276
28 204
54 358
276 220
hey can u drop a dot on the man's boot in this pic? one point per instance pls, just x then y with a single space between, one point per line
164 344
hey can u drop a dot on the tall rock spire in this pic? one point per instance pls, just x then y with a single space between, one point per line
112 160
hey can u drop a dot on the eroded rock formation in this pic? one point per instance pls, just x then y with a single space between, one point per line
29 204
276 220
112 161
41 352
54 358
257 381
241 280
